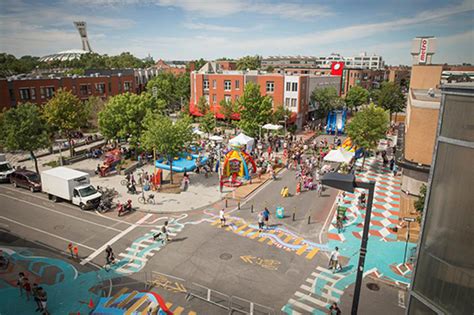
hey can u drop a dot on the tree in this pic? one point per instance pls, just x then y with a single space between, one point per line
356 97
367 127
94 106
24 128
419 204
228 108
327 99
166 137
123 116
198 64
203 105
280 113
270 68
208 122
256 110
391 98
249 62
65 113
170 88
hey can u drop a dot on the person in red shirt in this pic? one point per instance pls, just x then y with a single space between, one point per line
27 288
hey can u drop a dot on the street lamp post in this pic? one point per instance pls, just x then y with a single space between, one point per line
348 183
408 220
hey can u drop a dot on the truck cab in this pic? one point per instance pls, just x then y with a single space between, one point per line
5 171
86 197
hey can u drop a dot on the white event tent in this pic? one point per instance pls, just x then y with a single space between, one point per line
242 139
339 156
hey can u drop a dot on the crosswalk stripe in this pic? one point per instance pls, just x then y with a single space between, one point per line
302 249
265 236
241 228
334 275
333 289
306 288
247 232
312 253
288 238
320 276
133 257
279 235
178 310
298 240
254 235
192 313
330 297
168 304
311 299
216 222
301 305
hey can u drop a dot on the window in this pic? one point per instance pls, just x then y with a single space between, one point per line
24 94
214 84
110 87
294 86
49 91
227 85
237 84
288 86
207 98
127 86
270 86
287 102
293 102
228 98
33 93
83 89
214 99
42 92
205 84
100 87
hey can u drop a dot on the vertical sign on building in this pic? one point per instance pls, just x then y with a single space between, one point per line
337 68
423 50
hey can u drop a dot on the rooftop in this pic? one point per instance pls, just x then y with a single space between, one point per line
431 95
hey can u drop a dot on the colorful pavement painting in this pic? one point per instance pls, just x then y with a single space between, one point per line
385 254
69 291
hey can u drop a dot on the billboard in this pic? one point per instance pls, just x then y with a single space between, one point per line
337 67
423 50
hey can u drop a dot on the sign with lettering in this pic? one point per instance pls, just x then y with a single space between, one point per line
423 50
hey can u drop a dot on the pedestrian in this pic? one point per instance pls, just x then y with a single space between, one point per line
110 255
27 288
266 217
392 163
319 189
19 283
395 170
260 221
164 231
69 248
334 309
36 297
43 296
334 260
76 252
222 217
298 188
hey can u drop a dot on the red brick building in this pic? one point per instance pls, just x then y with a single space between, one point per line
161 65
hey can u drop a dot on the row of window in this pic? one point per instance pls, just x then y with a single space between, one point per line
228 98
291 86
270 85
84 90
290 102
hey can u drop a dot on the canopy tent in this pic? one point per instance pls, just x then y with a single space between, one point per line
271 127
241 140
198 132
216 138
339 156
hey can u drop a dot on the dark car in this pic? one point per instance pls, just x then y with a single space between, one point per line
26 179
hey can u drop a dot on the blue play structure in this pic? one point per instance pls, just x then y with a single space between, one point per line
185 161
336 122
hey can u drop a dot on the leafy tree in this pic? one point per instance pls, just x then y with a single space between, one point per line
327 100
94 106
279 114
391 98
198 64
24 128
249 62
123 116
65 113
419 204
367 127
270 68
166 137
356 97
208 122
170 88
203 105
256 110
228 108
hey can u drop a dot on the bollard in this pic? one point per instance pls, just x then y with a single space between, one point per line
226 203
309 220
294 216
238 205
251 209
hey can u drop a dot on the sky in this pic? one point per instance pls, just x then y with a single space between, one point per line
209 29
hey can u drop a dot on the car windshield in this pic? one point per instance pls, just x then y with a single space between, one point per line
33 178
5 167
87 191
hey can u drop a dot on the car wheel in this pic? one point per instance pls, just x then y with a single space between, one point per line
32 189
82 206
14 184
54 198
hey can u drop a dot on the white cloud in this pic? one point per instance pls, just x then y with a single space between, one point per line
211 27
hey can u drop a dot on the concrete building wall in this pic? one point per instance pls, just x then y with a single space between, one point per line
425 76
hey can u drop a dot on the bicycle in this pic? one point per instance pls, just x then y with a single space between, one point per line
149 200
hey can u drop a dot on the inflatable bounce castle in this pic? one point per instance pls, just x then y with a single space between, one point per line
237 163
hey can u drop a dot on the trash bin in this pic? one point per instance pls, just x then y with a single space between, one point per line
280 212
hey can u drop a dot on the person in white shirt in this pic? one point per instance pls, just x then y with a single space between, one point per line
222 217
334 260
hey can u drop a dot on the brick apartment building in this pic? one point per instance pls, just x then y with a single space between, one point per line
175 69
215 83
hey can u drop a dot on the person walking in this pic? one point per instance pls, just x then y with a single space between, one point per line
69 248
266 217
19 283
334 309
76 252
334 260
43 297
35 293
110 255
260 221
27 288
222 217
392 163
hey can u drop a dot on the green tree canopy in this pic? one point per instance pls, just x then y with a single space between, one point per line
368 126
356 97
170 88
256 110
207 123
24 128
123 116
327 99
391 98
203 105
199 63
419 204
166 137
279 114
65 113
228 108
249 62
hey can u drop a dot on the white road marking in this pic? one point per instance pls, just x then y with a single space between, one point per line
301 305
61 213
114 239
47 233
401 299
320 276
333 289
133 257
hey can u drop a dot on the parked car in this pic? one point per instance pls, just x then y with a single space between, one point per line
26 179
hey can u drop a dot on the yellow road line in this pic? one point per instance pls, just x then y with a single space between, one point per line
302 249
192 313
178 310
216 222
116 296
241 228
298 240
312 253
168 304
136 305
287 239
247 232
255 235
265 237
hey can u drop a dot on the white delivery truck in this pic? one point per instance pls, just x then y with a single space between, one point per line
5 169
71 185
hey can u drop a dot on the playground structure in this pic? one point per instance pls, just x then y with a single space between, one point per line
336 122
133 303
111 159
183 162
349 146
236 165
